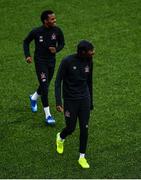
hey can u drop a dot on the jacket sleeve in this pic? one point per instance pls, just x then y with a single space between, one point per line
58 82
61 41
26 43
90 84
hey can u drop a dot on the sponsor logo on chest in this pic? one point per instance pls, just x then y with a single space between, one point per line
41 39
53 37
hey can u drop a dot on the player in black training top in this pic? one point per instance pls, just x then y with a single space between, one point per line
49 40
74 83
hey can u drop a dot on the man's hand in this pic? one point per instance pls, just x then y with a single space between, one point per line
29 59
60 108
52 50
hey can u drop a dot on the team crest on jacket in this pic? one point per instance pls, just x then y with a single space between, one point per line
67 113
87 69
43 77
53 37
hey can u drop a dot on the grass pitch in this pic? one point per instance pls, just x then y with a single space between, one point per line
27 146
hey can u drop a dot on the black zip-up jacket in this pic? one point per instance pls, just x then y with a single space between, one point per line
75 78
44 38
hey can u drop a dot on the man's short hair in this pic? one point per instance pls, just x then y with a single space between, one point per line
44 15
84 45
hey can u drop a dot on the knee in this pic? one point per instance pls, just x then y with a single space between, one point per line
84 129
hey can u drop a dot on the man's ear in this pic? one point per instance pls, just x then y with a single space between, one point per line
45 21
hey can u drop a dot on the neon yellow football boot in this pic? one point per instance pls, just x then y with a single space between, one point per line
83 163
59 144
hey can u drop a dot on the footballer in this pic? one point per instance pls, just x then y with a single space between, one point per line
74 83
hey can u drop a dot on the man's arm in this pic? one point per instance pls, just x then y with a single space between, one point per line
61 41
58 85
26 44
90 84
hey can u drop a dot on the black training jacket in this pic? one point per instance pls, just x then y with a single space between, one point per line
74 79
44 38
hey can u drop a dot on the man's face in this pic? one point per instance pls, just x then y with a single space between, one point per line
51 21
90 53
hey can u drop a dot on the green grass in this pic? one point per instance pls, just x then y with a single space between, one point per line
27 148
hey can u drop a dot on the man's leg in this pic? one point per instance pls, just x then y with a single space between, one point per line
70 113
49 119
50 76
42 74
84 113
